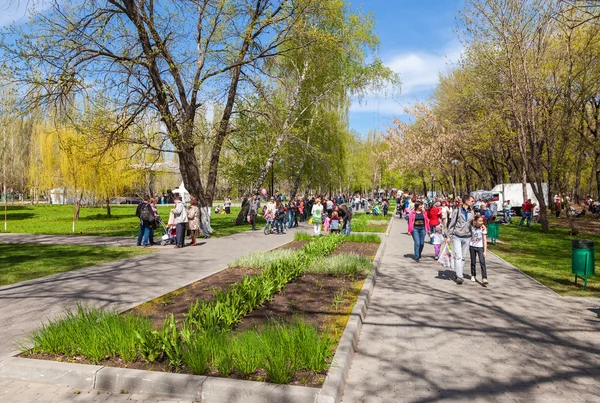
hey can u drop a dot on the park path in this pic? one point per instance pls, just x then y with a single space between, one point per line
79 240
427 339
121 284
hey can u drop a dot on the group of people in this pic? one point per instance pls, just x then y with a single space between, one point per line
184 220
333 213
452 222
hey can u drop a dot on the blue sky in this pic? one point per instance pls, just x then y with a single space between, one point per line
418 42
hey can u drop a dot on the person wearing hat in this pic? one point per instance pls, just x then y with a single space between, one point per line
181 220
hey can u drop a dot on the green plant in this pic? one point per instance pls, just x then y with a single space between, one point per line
92 333
197 354
247 352
338 299
341 265
363 238
302 236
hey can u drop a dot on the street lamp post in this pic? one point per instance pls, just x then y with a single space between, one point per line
432 185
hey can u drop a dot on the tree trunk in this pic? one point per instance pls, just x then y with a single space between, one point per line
577 188
524 185
108 207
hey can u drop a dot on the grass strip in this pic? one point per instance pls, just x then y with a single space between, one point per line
544 256
341 265
30 261
57 220
279 348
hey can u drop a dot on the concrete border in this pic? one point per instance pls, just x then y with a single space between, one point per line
334 385
204 388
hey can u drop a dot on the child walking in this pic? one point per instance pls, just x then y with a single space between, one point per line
478 248
437 239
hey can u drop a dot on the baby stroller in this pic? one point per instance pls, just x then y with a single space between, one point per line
169 234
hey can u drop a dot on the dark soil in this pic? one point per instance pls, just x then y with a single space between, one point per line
323 300
368 250
178 302
310 297
294 245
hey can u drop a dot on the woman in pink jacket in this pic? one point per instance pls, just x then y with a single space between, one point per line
418 226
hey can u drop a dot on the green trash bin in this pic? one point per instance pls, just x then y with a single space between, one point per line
493 230
582 264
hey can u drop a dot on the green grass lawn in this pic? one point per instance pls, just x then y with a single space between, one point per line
56 220
545 257
29 261
362 222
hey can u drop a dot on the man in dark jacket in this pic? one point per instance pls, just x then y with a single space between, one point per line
146 215
253 212
346 215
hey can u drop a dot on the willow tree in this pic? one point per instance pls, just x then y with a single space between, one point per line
321 68
148 57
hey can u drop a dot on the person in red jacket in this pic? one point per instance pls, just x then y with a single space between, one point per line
434 215
527 208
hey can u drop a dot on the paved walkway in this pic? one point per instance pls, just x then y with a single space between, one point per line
427 339
81 240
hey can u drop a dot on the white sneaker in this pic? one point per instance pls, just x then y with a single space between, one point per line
473 279
485 281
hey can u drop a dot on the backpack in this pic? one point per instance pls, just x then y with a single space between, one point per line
489 214
147 214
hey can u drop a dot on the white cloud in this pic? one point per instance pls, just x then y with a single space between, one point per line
419 73
18 11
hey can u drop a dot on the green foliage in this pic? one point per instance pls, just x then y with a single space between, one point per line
342 265
302 236
91 333
363 238
262 260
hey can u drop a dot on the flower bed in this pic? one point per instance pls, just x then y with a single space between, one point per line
240 331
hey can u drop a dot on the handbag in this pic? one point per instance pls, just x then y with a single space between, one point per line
310 221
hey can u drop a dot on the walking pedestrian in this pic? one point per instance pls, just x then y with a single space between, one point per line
557 205
434 214
156 220
280 216
438 239
459 231
418 225
253 211
193 215
181 220
317 216
526 214
146 215
227 205
506 208
478 248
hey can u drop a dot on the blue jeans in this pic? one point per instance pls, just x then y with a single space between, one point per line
507 216
290 219
347 227
418 234
279 225
523 216
144 233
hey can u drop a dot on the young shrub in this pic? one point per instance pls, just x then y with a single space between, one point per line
247 352
363 238
197 354
302 236
262 260
342 265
